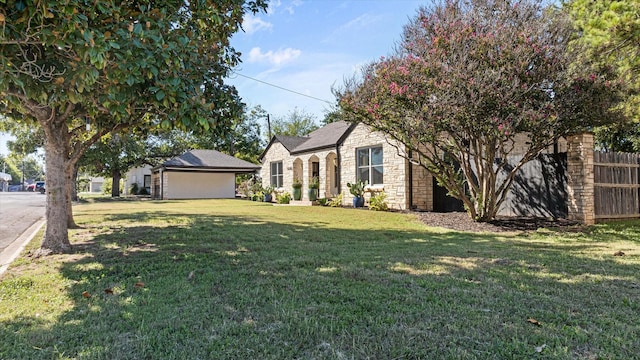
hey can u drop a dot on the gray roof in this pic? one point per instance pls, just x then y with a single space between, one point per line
208 159
326 136
291 142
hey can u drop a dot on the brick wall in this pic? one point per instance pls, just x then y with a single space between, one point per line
580 180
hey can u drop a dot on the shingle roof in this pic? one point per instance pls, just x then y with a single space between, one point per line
291 142
209 159
326 136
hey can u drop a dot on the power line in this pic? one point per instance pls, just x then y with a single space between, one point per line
285 89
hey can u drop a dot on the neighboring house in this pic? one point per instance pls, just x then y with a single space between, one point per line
95 184
141 176
341 153
199 174
4 181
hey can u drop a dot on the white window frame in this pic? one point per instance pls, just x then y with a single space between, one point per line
370 166
277 178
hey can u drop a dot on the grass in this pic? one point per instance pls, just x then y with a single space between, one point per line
230 279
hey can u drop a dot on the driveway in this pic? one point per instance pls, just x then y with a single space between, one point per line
18 211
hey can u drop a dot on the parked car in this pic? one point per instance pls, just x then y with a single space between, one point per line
37 186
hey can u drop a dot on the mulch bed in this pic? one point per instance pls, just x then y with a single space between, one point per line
461 221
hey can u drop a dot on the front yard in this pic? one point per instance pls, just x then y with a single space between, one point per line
231 279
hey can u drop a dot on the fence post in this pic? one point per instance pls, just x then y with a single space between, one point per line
580 181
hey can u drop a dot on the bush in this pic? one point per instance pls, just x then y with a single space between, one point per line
378 202
133 190
283 198
336 201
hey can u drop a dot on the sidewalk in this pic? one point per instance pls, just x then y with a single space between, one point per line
14 249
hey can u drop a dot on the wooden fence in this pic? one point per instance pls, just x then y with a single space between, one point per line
616 185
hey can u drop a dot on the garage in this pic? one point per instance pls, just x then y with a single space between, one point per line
199 174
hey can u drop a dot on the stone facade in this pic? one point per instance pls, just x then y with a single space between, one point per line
580 178
300 167
395 168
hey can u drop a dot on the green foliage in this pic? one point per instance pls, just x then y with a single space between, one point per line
133 190
336 201
296 123
378 202
283 198
297 183
608 35
314 183
107 186
117 66
357 188
467 79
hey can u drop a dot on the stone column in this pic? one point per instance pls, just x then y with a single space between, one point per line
580 181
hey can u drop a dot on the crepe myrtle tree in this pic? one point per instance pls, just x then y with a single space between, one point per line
467 77
113 65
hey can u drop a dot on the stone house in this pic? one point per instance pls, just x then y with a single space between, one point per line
341 153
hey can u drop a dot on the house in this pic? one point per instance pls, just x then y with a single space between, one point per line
199 174
341 153
4 181
141 176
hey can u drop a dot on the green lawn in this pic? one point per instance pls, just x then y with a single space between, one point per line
231 279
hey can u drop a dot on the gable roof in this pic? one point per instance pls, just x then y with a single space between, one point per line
327 136
207 160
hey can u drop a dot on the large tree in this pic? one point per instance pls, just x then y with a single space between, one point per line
608 33
296 123
468 76
79 70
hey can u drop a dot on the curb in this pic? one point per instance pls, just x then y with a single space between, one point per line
14 249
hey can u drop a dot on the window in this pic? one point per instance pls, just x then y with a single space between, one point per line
276 174
147 182
369 165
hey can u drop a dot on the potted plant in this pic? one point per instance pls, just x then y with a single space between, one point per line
297 189
357 190
268 191
314 185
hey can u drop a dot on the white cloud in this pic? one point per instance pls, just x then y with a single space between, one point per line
252 24
360 22
276 58
290 8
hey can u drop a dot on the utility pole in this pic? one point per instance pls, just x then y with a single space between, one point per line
269 126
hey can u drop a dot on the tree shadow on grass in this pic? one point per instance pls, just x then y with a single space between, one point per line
244 287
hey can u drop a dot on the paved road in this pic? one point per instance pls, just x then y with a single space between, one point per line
18 211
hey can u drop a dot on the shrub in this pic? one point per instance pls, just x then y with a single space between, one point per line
283 198
378 202
133 190
336 201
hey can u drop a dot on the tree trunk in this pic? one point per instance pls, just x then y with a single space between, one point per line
72 195
56 238
116 175
74 183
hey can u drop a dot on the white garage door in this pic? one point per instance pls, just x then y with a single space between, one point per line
197 185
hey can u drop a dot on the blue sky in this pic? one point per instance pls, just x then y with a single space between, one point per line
309 45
